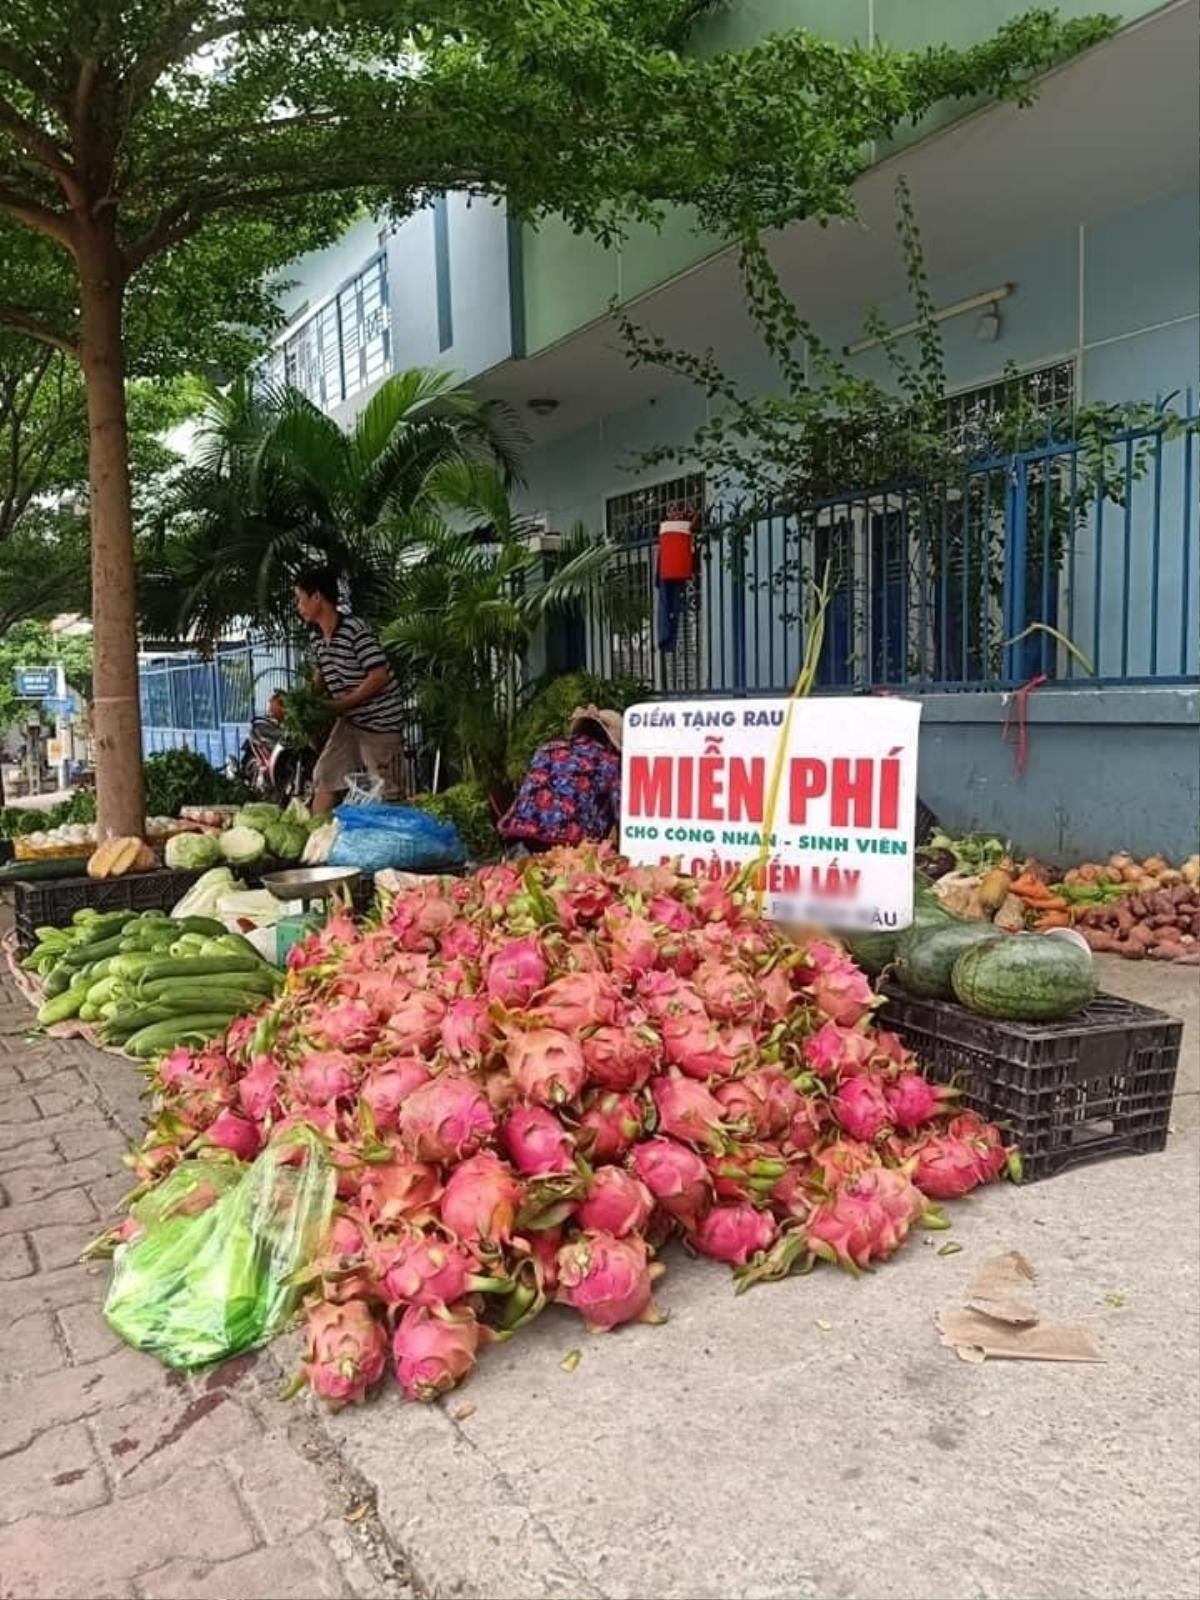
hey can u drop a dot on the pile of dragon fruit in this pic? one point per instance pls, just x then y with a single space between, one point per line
529 1079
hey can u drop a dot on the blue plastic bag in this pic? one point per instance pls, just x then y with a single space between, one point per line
374 837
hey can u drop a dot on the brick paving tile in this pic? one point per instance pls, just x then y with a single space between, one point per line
121 1479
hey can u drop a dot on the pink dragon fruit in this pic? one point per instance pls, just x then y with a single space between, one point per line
238 1036
386 1087
576 1001
350 1025
536 1142
421 1269
842 993
703 1050
609 1125
837 1163
763 1101
669 913
862 1108
445 1119
729 994
687 1111
987 1142
634 943
944 1167
547 1066
715 901
607 1280
835 1052
415 1022
666 994
808 1125
623 1057
461 941
516 972
890 1047
791 1194
866 1220
258 1089
543 1246
745 1171
467 1031
676 1177
327 1075
399 1191
433 1349
734 1233
616 1202
345 1352
586 897
777 994
481 1200
230 1132
914 1100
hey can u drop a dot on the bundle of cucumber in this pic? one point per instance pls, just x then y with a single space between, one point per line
149 981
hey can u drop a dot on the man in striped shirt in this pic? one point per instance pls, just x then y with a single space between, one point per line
353 671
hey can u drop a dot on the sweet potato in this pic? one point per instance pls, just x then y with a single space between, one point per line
1182 894
1166 952
1140 935
1125 920
1103 943
1191 959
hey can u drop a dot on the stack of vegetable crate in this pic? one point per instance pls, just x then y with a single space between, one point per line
148 982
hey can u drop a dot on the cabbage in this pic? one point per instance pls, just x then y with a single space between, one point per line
191 852
285 840
258 814
242 845
201 899
297 811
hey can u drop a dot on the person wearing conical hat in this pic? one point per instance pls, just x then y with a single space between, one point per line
572 790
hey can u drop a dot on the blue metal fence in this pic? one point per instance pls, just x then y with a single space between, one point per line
933 586
206 704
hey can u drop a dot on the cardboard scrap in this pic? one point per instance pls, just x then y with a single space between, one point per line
998 1319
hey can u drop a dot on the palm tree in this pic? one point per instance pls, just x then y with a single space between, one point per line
467 604
275 484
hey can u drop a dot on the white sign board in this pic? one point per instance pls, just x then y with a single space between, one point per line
696 784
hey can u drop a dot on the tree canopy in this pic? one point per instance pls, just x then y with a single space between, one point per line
158 156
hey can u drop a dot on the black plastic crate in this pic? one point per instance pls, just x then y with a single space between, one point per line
1095 1086
54 901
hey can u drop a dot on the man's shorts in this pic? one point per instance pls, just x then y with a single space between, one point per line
349 749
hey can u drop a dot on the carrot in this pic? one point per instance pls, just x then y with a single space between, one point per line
1052 919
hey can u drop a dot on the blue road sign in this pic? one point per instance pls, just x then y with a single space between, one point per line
35 683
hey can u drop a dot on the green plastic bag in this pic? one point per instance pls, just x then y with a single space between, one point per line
196 1288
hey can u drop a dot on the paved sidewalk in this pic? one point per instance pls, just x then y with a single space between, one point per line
117 1476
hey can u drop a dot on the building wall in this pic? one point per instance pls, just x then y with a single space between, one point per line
1119 297
569 281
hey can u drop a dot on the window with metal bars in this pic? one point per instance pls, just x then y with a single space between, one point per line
631 635
342 348
1046 392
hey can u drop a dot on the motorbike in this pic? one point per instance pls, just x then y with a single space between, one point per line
271 769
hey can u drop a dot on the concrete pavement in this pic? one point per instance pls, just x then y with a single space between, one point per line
809 1438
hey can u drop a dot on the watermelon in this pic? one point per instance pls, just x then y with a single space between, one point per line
1025 978
926 955
875 951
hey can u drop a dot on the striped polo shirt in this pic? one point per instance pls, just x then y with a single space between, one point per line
344 659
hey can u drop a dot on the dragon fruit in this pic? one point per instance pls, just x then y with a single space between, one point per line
327 1075
676 1177
837 1163
967 1153
687 1111
446 1119
862 1108
866 1220
837 1052
258 1089
420 1269
467 1030
609 1125
734 1233
576 1001
586 897
433 1349
715 901
536 1142
415 1022
914 1100
547 1066
842 993
745 1170
666 912
481 1200
399 1191
230 1132
986 1140
666 994
516 972
729 995
607 1280
634 943
386 1087
622 1057
616 1202
345 1353
461 941
351 1025
764 1101
703 1050
812 1117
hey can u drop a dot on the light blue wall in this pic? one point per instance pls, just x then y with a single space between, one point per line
1137 270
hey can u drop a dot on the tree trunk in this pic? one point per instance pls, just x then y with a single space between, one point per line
116 718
